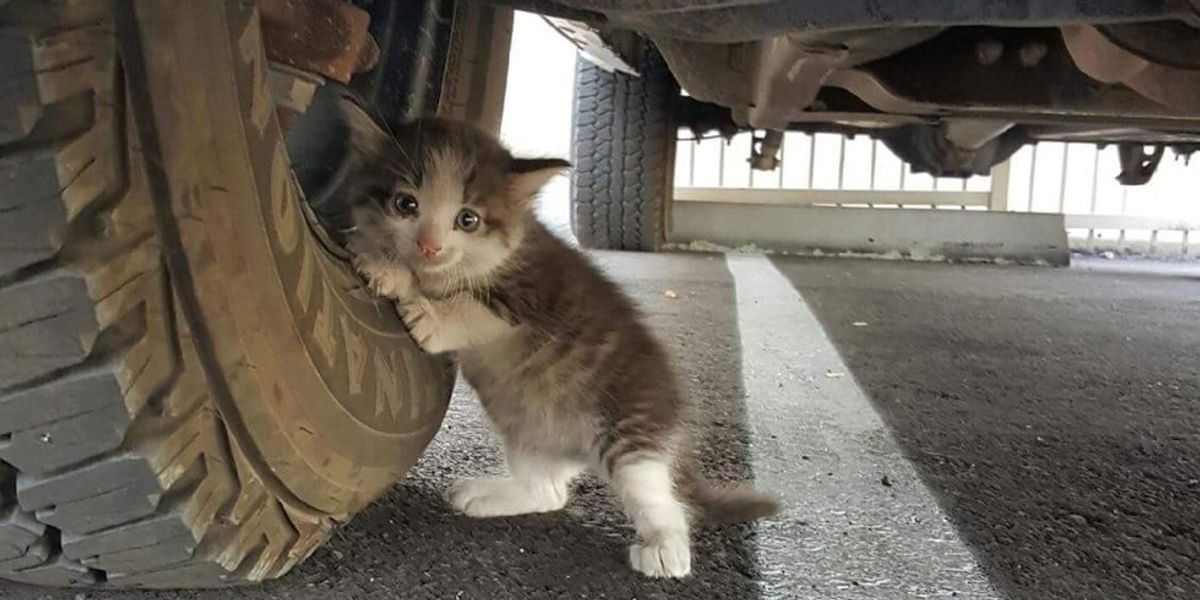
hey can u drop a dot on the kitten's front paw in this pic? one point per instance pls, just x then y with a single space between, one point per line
424 325
386 280
669 556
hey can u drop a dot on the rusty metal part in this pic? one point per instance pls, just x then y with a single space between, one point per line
980 79
764 150
1137 165
1104 59
1052 92
325 37
765 83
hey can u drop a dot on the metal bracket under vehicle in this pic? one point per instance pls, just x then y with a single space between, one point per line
1138 165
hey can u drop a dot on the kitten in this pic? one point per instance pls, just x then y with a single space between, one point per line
567 372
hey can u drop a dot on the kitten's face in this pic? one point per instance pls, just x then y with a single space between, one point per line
439 217
442 198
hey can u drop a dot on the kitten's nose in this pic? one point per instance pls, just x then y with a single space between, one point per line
428 248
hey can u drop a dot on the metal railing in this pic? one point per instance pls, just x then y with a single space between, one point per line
1076 180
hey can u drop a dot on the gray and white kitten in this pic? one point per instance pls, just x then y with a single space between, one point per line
567 372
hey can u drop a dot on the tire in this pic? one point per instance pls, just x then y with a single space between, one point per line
623 149
194 388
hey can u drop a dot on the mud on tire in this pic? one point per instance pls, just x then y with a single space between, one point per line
193 388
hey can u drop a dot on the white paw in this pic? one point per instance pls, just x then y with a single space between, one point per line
386 280
670 556
492 497
424 325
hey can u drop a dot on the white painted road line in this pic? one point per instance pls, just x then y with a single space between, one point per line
816 442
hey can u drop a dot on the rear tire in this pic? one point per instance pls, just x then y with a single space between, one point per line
623 151
194 389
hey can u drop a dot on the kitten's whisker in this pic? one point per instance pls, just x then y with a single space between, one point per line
465 282
448 284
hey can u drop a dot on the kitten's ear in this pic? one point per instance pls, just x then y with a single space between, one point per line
366 135
527 175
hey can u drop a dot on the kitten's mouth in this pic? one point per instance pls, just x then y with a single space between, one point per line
438 263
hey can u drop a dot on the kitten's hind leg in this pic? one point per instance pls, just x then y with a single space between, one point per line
536 484
647 491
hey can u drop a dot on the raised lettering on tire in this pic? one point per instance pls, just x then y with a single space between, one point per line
141 421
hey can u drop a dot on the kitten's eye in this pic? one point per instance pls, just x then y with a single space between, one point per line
467 220
405 204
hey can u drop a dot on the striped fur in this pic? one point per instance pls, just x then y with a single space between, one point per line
564 366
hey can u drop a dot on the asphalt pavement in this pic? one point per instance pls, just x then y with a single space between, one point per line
935 431
1054 412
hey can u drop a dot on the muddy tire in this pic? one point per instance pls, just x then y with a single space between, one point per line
194 388
623 149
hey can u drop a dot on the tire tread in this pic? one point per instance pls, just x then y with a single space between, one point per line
108 435
622 150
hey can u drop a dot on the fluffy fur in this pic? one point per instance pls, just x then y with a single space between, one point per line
569 375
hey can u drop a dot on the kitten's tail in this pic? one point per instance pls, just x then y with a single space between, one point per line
726 503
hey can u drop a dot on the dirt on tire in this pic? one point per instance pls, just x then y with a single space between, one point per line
194 388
